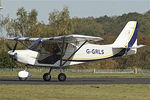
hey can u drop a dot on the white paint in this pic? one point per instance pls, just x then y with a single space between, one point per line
23 74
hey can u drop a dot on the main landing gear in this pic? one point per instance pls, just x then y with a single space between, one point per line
47 76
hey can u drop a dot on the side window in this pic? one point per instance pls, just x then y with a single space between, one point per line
50 52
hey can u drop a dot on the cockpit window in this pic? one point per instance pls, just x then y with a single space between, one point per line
50 52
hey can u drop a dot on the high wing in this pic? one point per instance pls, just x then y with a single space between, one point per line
68 38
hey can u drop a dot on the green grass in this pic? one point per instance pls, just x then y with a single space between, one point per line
39 74
75 92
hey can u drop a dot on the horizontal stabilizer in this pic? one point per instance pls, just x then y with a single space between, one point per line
134 47
139 46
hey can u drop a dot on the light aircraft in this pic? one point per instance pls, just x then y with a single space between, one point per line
60 51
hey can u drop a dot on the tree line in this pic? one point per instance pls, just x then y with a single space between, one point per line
26 24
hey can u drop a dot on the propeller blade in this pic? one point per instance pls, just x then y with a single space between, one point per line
8 46
15 46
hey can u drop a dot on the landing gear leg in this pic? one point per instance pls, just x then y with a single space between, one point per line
47 76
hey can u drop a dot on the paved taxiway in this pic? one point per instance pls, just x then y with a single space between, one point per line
77 81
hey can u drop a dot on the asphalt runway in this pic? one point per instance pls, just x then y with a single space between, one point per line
74 81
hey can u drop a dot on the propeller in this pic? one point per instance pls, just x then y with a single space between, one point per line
14 48
9 48
11 51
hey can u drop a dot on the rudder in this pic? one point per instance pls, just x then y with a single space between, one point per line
128 36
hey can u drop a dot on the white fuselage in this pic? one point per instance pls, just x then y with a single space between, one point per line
87 53
76 49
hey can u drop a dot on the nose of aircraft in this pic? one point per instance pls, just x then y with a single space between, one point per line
11 53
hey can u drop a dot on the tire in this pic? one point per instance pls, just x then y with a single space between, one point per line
46 77
22 79
62 77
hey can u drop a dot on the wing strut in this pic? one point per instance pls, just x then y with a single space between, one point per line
62 50
73 54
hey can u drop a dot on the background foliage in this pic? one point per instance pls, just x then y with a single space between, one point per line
60 23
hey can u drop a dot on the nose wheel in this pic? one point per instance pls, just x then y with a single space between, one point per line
23 75
22 79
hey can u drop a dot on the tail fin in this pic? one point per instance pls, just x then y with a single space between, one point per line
127 40
128 36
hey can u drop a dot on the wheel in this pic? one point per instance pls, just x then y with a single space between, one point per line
61 77
23 75
22 79
46 77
